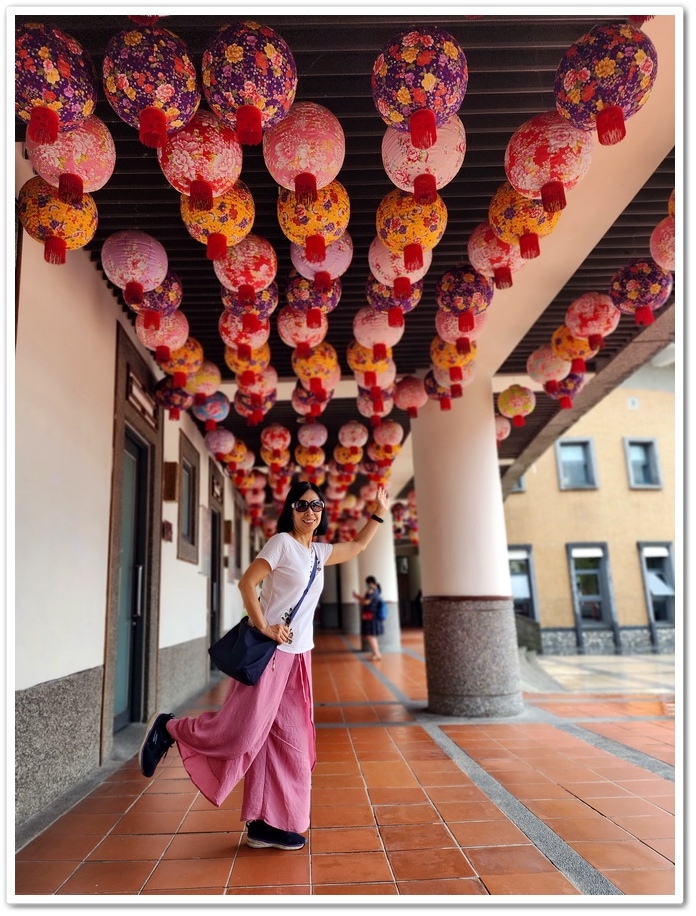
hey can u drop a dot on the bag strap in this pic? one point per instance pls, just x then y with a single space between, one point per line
311 579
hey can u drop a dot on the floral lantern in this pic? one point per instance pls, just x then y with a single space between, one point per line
251 409
317 367
466 293
239 458
362 359
406 226
80 160
309 403
248 267
377 381
662 244
516 402
493 257
58 225
135 262
546 157
247 367
389 435
604 78
317 224
231 328
546 368
309 457
294 331
171 397
520 220
276 459
264 304
382 455
410 395
249 78
592 316
466 375
150 82
211 410
301 293
382 298
305 150
220 442
423 172
568 388
56 85
346 456
336 261
312 435
502 428
447 327
419 81
170 334
202 160
388 267
162 300
373 410
372 329
260 385
447 356
227 222
640 288
185 361
276 437
437 392
205 382
568 347
353 435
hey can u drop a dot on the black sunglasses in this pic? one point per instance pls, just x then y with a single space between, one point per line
302 505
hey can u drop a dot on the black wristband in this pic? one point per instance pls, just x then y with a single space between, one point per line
377 518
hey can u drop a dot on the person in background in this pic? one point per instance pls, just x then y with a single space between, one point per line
371 626
265 732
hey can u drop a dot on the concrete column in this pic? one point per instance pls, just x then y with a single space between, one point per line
350 582
329 599
379 560
472 661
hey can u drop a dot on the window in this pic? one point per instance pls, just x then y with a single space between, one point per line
589 578
658 577
520 559
641 459
187 543
576 464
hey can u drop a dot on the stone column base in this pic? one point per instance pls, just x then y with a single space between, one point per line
471 657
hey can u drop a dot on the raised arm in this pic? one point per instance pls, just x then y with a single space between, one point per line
346 550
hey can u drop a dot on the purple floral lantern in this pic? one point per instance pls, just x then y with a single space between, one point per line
172 397
640 288
465 292
135 262
382 298
567 389
262 306
162 300
301 293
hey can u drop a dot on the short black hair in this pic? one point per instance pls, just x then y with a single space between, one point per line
370 580
297 491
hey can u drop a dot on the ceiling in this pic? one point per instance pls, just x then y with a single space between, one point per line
512 60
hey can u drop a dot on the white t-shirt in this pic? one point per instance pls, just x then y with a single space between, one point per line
291 565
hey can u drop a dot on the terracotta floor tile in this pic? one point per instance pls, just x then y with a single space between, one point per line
33 878
203 845
183 891
337 781
172 786
350 867
469 811
470 793
212 820
426 864
643 881
352 839
588 828
342 816
418 836
666 847
629 854
282 890
103 804
52 846
350 796
508 860
548 809
534 789
266 869
463 886
406 814
130 848
487 833
625 806
383 795
108 878
156 822
669 805
155 803
546 883
596 789
190 873
86 824
651 827
361 890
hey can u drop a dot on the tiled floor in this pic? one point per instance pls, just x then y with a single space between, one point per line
574 797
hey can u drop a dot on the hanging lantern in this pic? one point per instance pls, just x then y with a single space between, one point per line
172 398
231 330
135 262
437 392
382 298
225 224
56 85
389 435
211 410
516 402
314 225
372 329
305 150
575 349
249 78
353 435
493 257
302 294
162 300
248 267
568 388
502 428
185 361
260 386
312 435
58 225
202 160
276 437
388 267
377 381
662 244
251 409
465 376
640 288
79 162
546 157
205 382
309 457
276 459
170 334
346 456
383 456
329 382
316 367
546 368
520 220
466 293
247 366
362 359
406 226
447 325
336 261
448 357
410 395
604 78
419 81
423 172
373 410
219 442
309 403
592 316
294 331
150 82
264 304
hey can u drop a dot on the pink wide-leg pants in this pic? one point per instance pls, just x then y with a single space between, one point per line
263 733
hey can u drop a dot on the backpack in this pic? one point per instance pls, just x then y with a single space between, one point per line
381 609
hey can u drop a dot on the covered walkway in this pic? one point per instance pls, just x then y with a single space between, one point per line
574 797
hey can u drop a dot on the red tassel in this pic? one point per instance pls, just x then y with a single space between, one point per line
553 196
244 351
315 384
174 413
376 393
305 188
455 373
375 420
216 249
315 249
255 418
413 257
611 127
596 341
249 129
152 127
54 250
412 412
245 294
354 450
463 345
402 287
179 380
518 420
379 351
502 277
552 386
201 194
151 319
529 245
638 21
370 379
163 354
256 400
445 403
465 321
199 398
644 315
577 366
210 426
43 125
313 318
247 378
303 350
456 391
250 323
133 293
565 402
425 189
322 281
395 317
70 188
423 128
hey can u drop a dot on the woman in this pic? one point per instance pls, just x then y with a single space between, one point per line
265 732
370 625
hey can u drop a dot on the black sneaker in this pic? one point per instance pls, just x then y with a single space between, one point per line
261 835
156 743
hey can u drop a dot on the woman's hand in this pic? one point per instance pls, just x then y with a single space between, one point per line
381 502
277 631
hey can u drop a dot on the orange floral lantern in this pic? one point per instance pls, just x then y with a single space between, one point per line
362 359
568 347
316 367
520 220
247 367
409 227
58 225
185 361
226 222
317 224
447 356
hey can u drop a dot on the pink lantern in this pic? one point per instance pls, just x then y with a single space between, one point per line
185 361
264 304
447 326
353 435
409 227
493 257
546 157
372 329
225 223
382 298
80 161
520 220
211 410
305 150
662 243
301 293
309 403
464 376
250 408
576 349
202 160
546 368
162 300
233 334
592 316
259 385
248 267
640 288
172 398
465 292
294 331
170 334
312 435
205 382
336 261
672 204
423 172
247 367
388 268
443 394
410 395
567 389
373 410
389 434
377 381
316 224
502 428
516 402
135 262
363 359
220 442
276 437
